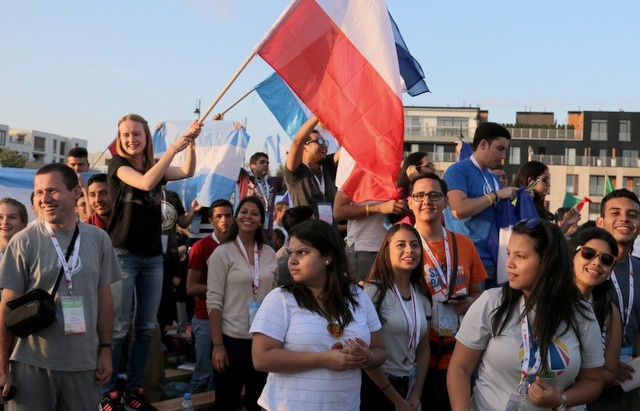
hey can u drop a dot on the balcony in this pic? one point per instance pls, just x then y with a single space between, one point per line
426 134
545 134
19 141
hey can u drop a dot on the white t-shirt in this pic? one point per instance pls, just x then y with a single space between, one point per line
301 330
500 366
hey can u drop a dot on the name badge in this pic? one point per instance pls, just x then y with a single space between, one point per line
325 213
447 320
73 314
253 310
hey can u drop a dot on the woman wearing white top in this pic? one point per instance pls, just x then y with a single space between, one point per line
315 334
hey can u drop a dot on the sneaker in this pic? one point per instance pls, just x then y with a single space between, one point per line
111 402
136 401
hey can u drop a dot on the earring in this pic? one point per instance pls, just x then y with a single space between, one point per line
326 262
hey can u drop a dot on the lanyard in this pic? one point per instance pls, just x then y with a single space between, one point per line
526 343
445 278
487 186
413 321
67 268
264 190
256 267
163 205
626 314
320 180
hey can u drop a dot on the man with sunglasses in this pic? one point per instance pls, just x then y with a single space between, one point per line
427 200
474 191
310 173
620 216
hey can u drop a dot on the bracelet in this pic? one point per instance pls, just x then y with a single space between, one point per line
366 209
218 345
489 198
106 345
496 193
385 387
563 403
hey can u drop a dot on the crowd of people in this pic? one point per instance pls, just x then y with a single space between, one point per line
403 311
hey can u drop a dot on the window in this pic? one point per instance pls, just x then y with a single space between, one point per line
438 153
413 126
594 211
62 148
629 158
625 130
602 157
633 184
39 143
596 185
572 184
55 145
514 155
570 156
452 126
599 130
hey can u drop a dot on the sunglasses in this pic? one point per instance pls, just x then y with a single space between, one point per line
532 223
321 141
589 253
430 166
433 196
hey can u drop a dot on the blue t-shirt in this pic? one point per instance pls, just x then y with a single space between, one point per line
465 176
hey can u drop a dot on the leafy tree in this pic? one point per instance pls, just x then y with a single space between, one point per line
9 158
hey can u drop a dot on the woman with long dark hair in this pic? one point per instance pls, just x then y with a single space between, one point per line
242 271
535 174
594 251
538 339
315 334
399 291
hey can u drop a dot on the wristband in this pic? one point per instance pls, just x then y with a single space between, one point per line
385 387
563 403
496 193
106 345
366 209
489 198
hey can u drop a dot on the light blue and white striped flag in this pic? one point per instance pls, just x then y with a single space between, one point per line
220 151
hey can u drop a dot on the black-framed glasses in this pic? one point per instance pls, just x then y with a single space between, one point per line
321 142
430 166
433 196
589 253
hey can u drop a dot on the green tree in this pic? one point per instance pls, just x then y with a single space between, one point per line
9 158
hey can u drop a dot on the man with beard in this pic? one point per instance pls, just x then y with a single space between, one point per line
427 200
221 218
619 215
474 191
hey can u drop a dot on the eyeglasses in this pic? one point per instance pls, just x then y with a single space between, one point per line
589 253
430 166
433 196
545 180
321 141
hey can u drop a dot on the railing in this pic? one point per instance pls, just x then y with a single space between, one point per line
16 141
545 134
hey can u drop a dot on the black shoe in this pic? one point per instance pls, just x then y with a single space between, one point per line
136 401
111 402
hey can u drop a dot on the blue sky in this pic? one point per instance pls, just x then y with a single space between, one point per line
75 67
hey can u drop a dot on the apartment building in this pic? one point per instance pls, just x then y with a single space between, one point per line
38 147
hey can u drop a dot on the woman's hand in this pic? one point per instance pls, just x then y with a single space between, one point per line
219 358
543 395
341 360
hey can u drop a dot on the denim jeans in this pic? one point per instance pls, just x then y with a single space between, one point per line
202 378
142 275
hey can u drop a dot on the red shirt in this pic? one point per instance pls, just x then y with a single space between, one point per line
198 257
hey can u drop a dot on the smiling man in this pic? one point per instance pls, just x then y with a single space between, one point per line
427 200
310 173
64 362
474 191
620 216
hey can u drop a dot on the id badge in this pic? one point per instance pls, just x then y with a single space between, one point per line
164 239
73 314
253 310
325 213
626 353
447 320
413 377
267 217
516 403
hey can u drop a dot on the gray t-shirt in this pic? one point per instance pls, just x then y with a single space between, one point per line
30 262
305 185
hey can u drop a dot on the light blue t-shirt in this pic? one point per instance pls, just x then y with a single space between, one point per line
465 176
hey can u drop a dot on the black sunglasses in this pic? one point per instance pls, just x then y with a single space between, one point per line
589 253
321 141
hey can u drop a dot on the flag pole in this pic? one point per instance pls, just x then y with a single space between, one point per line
101 155
238 100
224 90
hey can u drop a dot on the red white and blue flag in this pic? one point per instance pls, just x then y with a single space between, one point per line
339 57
